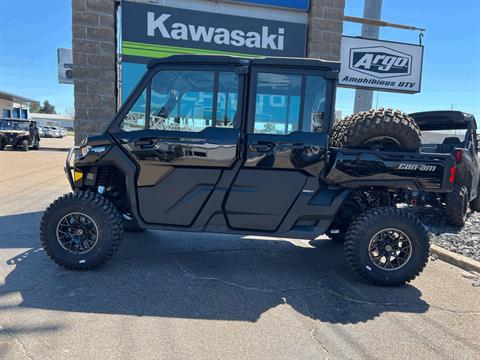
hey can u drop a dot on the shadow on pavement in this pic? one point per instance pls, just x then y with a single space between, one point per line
199 276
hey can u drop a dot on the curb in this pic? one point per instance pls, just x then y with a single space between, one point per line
455 259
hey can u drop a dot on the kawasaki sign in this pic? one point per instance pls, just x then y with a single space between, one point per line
380 65
153 31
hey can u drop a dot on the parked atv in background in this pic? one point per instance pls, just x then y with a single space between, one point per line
455 133
19 134
241 146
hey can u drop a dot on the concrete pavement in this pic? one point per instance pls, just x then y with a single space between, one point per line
170 295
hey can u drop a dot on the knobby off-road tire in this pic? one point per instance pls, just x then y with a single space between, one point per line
25 144
98 213
456 206
366 233
475 203
382 129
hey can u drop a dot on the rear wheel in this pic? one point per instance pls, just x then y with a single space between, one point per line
25 144
2 144
475 203
456 206
381 129
387 246
81 230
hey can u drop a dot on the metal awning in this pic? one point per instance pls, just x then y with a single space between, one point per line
15 98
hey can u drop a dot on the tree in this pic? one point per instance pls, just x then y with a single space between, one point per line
47 108
35 107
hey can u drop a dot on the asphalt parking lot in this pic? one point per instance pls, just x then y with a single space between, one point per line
169 295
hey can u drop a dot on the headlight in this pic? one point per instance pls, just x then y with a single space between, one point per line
84 150
92 150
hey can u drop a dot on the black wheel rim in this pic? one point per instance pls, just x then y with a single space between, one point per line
390 249
382 143
77 233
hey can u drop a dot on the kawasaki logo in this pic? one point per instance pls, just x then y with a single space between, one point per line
163 26
380 62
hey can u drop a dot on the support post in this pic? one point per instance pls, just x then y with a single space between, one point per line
372 10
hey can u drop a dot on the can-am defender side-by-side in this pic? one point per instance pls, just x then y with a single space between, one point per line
451 132
235 145
19 134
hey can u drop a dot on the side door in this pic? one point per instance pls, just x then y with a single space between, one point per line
183 131
287 131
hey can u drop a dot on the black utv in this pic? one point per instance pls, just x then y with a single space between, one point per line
241 146
455 133
19 134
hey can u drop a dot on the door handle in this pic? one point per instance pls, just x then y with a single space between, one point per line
144 143
263 146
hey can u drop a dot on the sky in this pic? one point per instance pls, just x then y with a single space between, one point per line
451 64
451 67
30 33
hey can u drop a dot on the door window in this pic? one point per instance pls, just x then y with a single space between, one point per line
135 118
227 101
182 100
285 103
314 105
190 101
193 100
277 103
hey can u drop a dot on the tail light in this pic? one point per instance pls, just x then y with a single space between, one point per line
458 155
453 174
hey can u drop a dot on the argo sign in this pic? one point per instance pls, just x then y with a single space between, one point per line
380 61
380 65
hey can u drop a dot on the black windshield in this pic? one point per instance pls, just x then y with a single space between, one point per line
13 125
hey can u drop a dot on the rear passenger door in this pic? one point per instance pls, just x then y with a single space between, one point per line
183 130
285 144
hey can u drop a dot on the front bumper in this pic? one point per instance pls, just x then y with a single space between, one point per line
68 167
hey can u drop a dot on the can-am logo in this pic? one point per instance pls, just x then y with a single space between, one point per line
163 26
380 62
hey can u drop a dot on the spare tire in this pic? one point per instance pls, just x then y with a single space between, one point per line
382 129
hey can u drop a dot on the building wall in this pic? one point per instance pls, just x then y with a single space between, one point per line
325 27
94 49
94 61
10 105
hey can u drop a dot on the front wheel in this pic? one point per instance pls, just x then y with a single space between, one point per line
387 246
25 144
81 230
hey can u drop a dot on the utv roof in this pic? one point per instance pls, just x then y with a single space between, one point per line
234 60
17 120
443 120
